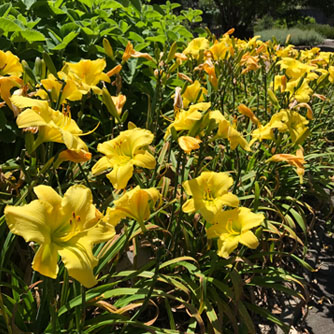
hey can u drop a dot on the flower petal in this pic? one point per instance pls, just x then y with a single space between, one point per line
48 194
145 160
120 175
29 221
80 261
45 260
189 206
227 246
29 118
249 219
101 165
78 201
249 239
229 199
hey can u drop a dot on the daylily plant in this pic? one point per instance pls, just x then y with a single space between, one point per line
68 226
52 125
209 194
134 204
124 152
234 226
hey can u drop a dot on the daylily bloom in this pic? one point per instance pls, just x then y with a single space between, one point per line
124 152
185 119
209 68
234 226
69 91
294 160
302 94
291 121
68 226
134 204
193 93
209 194
53 125
195 46
131 52
188 143
244 110
86 74
115 70
6 84
221 50
119 102
284 121
249 62
295 69
227 131
10 64
74 156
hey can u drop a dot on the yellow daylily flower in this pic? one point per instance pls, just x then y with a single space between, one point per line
221 50
52 125
290 121
185 119
302 94
124 152
188 143
10 64
295 69
284 121
6 84
235 138
68 226
69 92
86 74
294 160
196 46
193 93
262 132
135 204
209 194
232 227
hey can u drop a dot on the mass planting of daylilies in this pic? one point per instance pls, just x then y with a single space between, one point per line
205 180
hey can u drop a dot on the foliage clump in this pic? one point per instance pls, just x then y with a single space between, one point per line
166 187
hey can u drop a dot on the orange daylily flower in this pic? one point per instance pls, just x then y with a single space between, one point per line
131 52
114 70
244 110
294 160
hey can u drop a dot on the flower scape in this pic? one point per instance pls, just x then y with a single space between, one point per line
160 191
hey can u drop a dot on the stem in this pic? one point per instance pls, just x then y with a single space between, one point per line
64 290
83 305
53 303
237 160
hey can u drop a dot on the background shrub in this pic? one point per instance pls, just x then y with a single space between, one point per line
297 36
324 29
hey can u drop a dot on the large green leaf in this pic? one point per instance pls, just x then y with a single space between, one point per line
31 35
67 39
7 25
